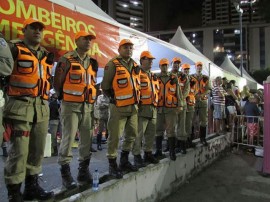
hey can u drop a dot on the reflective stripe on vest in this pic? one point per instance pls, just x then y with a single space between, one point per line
149 89
201 85
30 75
125 85
79 85
167 94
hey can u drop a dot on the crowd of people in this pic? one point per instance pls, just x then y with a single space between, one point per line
135 104
233 107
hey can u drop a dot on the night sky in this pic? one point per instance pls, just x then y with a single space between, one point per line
169 14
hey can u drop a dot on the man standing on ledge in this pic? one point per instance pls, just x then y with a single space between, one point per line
26 114
6 64
183 79
170 103
201 106
121 83
147 112
74 82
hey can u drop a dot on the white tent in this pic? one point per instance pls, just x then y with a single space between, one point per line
179 39
231 71
229 66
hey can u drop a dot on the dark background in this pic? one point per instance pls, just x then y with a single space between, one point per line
169 14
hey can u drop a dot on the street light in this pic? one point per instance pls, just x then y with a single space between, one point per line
240 12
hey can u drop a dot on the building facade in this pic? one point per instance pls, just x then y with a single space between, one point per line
132 13
220 34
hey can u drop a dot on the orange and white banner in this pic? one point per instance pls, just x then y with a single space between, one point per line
61 26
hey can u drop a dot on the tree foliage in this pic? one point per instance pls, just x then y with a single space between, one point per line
261 75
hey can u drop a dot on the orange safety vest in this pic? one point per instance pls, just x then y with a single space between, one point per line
191 96
201 85
79 85
167 96
126 85
182 80
30 75
149 89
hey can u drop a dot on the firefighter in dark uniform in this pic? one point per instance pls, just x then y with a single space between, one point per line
169 105
74 83
147 112
201 107
26 114
121 83
181 134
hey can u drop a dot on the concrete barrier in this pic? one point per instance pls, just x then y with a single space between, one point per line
155 182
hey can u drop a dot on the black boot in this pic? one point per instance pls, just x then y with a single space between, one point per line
138 161
32 190
171 141
125 165
67 179
84 177
183 147
5 153
99 138
114 171
92 149
149 158
190 144
158 154
14 192
167 147
203 135
178 146
55 151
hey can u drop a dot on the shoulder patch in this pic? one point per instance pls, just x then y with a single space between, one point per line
3 42
16 41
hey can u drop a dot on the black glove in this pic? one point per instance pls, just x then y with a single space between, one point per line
50 58
154 77
192 82
94 64
173 80
137 70
205 78
183 77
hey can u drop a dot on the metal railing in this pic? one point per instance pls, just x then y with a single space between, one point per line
248 131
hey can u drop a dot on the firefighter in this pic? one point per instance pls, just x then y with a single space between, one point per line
169 104
190 101
181 134
26 114
121 83
201 106
6 64
147 112
74 83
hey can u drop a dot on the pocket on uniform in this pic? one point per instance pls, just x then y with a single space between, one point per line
18 108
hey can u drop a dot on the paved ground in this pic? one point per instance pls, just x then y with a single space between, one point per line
231 179
51 179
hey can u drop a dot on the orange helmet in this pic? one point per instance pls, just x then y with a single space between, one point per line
176 59
198 63
164 61
185 66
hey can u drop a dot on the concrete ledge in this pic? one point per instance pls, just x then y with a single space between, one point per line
156 182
